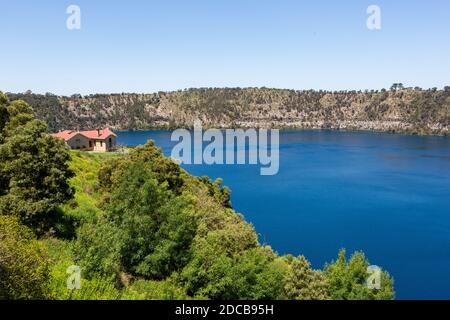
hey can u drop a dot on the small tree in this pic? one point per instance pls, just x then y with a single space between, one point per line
348 280
304 283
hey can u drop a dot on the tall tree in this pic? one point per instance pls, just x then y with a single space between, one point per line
33 168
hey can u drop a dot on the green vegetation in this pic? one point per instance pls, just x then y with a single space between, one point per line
33 168
303 283
61 258
346 280
140 227
86 185
23 262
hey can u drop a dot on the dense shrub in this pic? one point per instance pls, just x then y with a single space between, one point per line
348 280
23 262
94 288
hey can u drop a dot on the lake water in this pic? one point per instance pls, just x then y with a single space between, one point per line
385 194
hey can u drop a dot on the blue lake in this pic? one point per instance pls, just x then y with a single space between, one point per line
387 195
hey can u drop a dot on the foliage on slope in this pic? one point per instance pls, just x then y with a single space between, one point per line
140 227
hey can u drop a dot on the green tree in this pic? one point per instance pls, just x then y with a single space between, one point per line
23 262
257 275
304 283
215 190
98 249
33 169
348 280
163 169
3 112
159 225
228 263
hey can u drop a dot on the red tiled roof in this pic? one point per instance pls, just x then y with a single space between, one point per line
91 134
66 134
98 134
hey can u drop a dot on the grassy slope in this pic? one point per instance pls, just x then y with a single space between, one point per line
85 165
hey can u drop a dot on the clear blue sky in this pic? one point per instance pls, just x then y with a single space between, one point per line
147 46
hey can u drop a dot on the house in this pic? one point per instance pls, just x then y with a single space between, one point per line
94 140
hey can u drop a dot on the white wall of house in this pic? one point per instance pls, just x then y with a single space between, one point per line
107 144
99 145
79 142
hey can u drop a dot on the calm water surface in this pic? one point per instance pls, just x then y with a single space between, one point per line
388 195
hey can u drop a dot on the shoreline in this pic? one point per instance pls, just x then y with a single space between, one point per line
290 129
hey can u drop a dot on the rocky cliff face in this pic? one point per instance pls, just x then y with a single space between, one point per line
407 110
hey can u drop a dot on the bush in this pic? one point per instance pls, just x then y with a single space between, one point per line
94 288
154 290
98 249
24 262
